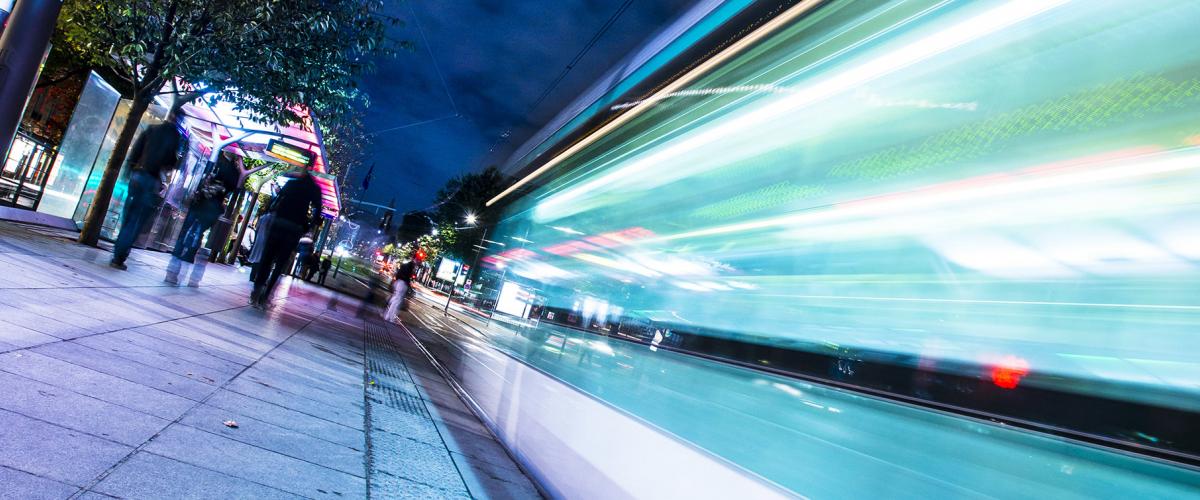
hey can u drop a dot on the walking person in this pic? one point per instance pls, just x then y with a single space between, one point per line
326 263
303 250
154 153
206 204
399 290
260 241
295 210
313 262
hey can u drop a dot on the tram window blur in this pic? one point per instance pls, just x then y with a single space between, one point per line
985 207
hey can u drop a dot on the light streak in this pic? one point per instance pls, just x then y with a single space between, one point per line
739 89
979 26
566 230
1164 307
1014 185
737 47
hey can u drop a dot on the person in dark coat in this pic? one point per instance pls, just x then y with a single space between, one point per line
206 204
304 249
310 267
326 263
294 210
153 154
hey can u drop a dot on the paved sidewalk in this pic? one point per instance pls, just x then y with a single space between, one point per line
113 384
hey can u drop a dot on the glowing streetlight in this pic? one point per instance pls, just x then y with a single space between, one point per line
471 219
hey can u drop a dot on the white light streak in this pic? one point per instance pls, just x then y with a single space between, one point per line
979 26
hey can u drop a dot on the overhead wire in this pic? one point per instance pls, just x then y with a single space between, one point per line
570 66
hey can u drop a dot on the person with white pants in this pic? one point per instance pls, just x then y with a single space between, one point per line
399 291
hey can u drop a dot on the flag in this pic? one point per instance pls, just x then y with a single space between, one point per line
367 180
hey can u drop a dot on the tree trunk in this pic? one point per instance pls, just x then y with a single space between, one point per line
94 220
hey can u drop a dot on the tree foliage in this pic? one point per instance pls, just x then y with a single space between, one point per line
348 147
269 58
463 196
347 143
433 245
454 235
468 193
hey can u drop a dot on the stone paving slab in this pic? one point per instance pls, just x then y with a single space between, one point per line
95 384
278 438
54 452
20 485
116 385
76 411
253 463
289 418
149 476
126 369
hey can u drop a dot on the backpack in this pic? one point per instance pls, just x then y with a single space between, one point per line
210 188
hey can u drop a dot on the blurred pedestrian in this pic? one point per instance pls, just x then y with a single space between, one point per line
303 249
205 205
311 265
295 210
154 153
399 290
326 263
260 241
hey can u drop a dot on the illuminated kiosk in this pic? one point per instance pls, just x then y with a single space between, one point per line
216 127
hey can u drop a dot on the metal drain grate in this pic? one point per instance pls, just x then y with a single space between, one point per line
389 374
403 401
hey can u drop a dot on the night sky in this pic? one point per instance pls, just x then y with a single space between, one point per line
497 58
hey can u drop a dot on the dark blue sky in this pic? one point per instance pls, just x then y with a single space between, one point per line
497 58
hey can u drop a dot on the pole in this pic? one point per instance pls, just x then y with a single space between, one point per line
218 235
475 265
339 266
251 211
503 275
323 236
22 47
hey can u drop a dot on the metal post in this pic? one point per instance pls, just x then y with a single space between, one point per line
323 237
22 169
218 235
22 47
503 275
339 266
475 265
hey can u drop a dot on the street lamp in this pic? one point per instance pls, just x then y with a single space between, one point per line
471 219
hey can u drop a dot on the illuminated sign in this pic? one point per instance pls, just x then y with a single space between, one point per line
330 206
447 270
514 299
292 154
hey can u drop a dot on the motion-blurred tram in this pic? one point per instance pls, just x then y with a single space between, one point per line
981 213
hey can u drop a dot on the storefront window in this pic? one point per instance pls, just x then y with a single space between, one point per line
24 171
